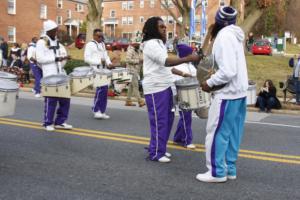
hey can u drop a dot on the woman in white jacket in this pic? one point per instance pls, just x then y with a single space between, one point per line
226 118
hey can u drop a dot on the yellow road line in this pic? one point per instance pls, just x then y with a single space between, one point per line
116 136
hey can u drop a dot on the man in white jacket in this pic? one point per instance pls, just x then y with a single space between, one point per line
226 118
96 55
50 55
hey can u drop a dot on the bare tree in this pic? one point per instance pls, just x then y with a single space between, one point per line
183 7
94 17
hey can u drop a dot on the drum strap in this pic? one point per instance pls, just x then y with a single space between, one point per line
55 48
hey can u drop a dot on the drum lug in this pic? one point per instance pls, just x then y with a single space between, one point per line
45 89
56 89
5 97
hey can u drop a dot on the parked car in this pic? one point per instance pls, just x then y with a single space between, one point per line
80 40
121 43
262 47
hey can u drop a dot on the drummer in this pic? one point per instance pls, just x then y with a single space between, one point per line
36 70
96 56
184 135
157 83
47 50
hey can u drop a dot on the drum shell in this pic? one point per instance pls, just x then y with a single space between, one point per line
118 74
101 80
56 86
8 95
80 83
127 78
188 98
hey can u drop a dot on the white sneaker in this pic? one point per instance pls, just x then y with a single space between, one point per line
167 154
37 95
231 177
208 178
98 115
164 159
105 116
50 128
64 126
33 91
191 146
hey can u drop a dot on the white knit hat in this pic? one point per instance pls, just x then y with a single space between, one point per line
49 25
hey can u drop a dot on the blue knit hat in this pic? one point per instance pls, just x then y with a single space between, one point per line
226 15
184 50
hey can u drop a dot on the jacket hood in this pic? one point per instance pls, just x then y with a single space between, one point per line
237 31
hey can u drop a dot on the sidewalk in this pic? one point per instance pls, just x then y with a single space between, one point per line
287 108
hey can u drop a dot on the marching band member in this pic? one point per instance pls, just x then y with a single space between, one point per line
157 83
184 134
226 117
36 70
49 54
96 55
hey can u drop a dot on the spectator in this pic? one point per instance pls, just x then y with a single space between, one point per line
296 75
15 49
23 53
267 99
4 49
16 66
26 69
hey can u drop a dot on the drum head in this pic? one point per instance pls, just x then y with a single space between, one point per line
55 80
187 83
103 72
7 85
5 75
205 68
118 70
82 69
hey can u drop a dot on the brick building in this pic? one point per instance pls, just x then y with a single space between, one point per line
20 20
126 18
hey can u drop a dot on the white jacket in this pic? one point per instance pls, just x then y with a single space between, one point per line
31 52
157 77
46 57
94 52
228 51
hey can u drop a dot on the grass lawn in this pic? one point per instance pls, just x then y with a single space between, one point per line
260 67
292 49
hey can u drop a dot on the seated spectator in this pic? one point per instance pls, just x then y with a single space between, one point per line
26 69
15 49
16 66
267 99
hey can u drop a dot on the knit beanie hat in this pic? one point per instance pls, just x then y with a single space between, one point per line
184 50
226 15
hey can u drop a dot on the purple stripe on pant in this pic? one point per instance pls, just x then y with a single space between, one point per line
61 113
100 100
213 148
38 74
161 120
184 134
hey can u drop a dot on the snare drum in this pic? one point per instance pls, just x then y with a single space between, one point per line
188 91
102 77
8 76
56 86
118 73
81 78
8 96
127 76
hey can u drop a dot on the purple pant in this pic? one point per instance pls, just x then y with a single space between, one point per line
184 134
161 119
38 74
100 100
61 113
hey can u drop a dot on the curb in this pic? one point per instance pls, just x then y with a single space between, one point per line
250 108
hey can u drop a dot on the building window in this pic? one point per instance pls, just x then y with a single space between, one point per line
130 20
127 35
142 19
112 13
43 11
59 20
152 3
170 20
142 3
124 5
11 34
222 2
11 7
60 4
124 20
170 35
69 14
79 7
130 5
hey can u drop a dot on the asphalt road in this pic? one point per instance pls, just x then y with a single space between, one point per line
106 159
